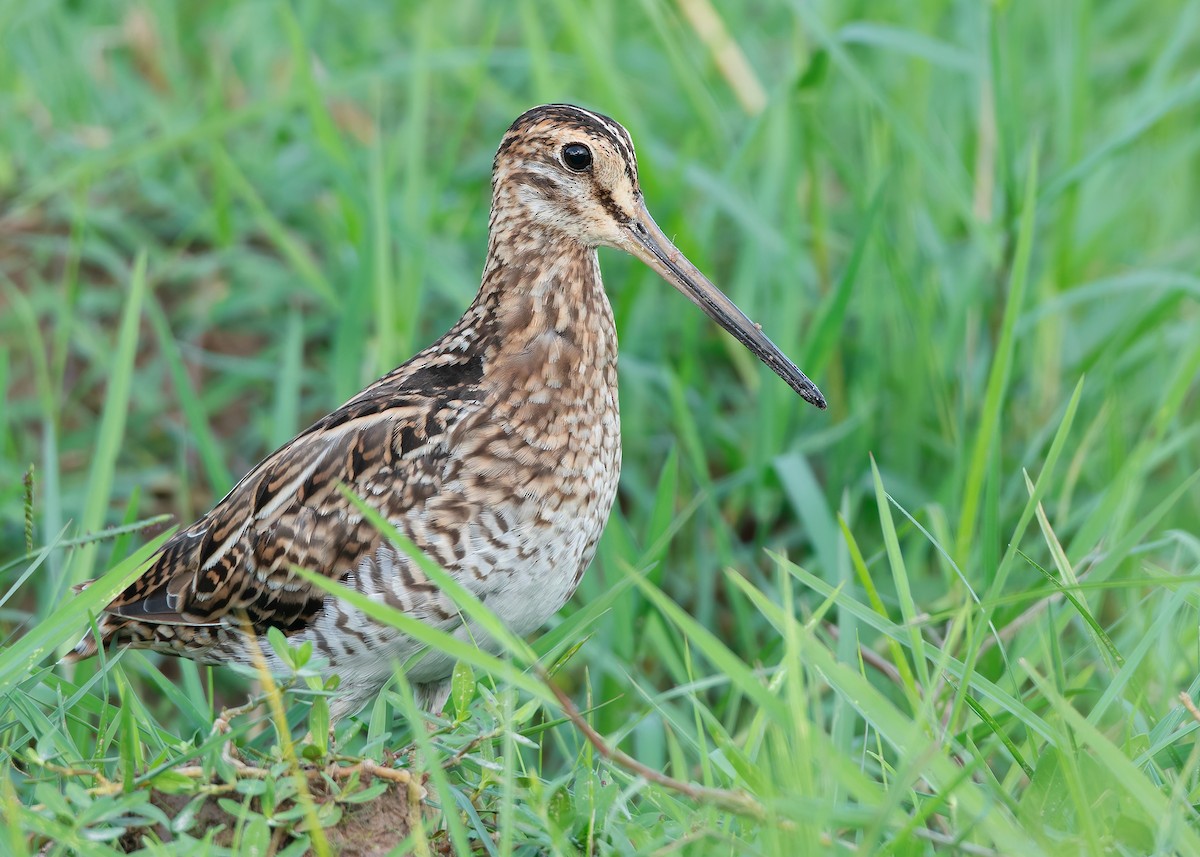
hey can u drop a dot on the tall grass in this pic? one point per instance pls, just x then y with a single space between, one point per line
953 614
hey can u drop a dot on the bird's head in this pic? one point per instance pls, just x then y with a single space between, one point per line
566 172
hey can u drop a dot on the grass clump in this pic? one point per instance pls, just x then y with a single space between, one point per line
954 615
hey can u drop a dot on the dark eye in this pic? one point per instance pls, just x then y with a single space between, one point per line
577 156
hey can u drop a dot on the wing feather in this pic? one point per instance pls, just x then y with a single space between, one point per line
389 445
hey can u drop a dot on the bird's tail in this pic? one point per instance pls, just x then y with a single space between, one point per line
88 646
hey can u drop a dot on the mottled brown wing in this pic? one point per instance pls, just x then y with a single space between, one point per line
388 445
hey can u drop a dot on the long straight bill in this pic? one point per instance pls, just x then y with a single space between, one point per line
654 248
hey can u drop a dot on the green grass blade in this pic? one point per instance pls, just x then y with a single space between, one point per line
291 248
908 608
111 432
199 430
1069 582
712 648
1177 829
1000 374
69 621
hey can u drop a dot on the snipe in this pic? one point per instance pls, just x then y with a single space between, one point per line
496 449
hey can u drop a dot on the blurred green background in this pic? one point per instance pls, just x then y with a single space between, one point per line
956 216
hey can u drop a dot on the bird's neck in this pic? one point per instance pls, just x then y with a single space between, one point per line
545 307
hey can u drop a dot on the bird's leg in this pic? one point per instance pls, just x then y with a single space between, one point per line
430 697
222 726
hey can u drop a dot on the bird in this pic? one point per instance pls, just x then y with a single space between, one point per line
496 450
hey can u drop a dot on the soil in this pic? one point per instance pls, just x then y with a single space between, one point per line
370 829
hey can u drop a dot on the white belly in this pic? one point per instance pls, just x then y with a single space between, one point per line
523 571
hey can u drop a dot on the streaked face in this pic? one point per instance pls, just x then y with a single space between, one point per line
575 172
